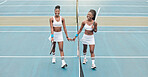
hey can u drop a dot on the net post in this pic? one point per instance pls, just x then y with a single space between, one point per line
78 51
77 24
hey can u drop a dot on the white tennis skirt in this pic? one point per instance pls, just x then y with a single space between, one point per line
58 37
88 39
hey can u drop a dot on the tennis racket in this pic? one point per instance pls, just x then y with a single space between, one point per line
96 15
51 48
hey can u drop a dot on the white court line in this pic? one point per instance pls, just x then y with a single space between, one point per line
124 13
73 0
125 26
110 0
35 56
117 5
120 57
27 13
83 5
25 31
38 5
45 0
36 13
3 2
74 31
69 26
66 14
109 57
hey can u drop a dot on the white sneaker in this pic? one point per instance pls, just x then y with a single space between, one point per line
53 60
85 61
64 65
93 66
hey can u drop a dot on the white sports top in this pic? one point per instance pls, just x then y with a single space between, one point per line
88 27
57 24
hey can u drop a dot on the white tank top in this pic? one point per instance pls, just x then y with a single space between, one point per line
57 24
88 27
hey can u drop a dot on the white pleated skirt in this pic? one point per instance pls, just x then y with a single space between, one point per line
58 37
88 39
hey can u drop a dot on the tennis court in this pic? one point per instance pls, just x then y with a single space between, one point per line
121 46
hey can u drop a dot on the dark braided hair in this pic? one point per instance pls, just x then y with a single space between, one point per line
57 7
93 12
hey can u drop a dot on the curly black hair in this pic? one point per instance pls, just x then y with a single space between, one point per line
93 12
57 7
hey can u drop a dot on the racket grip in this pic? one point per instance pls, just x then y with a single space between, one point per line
50 53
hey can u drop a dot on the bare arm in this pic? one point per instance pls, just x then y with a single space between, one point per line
64 27
81 28
95 27
51 25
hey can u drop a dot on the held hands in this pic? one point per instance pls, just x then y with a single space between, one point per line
69 39
74 38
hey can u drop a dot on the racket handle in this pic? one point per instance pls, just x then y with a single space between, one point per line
50 53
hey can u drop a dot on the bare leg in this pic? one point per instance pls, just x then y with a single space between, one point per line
62 54
53 50
92 50
84 50
92 56
61 48
84 53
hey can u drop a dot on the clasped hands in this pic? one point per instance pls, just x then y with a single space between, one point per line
69 39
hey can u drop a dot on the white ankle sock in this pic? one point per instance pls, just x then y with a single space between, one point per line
84 55
63 61
53 56
93 60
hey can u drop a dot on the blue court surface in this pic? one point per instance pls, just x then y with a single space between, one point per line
68 7
120 52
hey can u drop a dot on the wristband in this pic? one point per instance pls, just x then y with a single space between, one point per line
76 35
52 35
